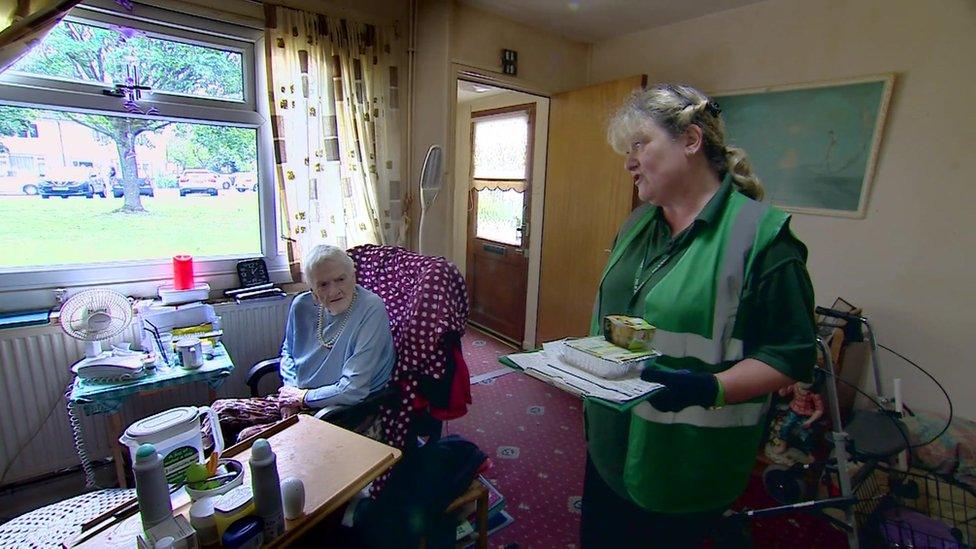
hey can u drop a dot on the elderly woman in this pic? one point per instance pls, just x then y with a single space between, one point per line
337 349
724 280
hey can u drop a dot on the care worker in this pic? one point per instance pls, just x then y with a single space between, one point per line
724 280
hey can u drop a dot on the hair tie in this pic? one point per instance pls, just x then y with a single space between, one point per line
713 108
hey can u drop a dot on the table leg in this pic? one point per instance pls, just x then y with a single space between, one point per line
482 521
114 431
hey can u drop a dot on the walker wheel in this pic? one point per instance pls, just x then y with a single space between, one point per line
784 484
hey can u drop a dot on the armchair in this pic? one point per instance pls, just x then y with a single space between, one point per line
347 417
426 299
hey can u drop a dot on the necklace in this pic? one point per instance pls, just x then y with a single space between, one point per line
321 329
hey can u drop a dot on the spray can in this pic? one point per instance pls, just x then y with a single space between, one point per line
267 489
152 492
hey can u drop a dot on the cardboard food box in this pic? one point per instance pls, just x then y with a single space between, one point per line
628 332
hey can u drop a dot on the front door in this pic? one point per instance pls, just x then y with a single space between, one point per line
498 218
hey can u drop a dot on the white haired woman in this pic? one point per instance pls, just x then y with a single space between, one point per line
724 280
337 348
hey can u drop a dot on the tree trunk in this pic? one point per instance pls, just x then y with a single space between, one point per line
130 170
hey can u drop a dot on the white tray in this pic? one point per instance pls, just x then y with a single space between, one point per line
172 296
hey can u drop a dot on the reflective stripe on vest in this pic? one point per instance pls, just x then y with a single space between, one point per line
746 414
721 346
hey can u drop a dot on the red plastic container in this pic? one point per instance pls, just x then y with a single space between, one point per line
182 272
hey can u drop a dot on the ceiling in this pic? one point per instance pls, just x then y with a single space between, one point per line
595 20
469 91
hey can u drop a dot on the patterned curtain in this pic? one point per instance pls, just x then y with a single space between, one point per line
335 110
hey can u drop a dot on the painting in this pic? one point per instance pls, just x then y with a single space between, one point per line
813 146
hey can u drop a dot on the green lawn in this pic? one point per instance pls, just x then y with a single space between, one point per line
76 230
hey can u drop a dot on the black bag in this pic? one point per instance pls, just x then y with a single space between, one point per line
417 493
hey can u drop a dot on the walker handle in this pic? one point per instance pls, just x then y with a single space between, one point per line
839 314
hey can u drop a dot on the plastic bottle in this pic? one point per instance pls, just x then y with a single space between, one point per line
267 489
152 492
204 522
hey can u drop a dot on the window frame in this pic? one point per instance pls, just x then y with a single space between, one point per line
34 287
502 113
511 111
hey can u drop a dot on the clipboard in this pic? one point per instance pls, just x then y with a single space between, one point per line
569 385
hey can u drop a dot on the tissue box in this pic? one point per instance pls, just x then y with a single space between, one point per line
628 332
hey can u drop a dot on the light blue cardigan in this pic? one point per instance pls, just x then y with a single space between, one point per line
358 364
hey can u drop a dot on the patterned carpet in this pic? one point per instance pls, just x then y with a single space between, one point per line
534 436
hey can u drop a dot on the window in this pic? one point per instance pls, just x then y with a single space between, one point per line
147 141
500 171
27 130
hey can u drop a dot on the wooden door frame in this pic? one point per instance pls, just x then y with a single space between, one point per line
487 77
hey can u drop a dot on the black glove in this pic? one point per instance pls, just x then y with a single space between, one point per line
682 388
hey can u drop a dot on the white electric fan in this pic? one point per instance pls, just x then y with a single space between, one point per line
93 316
430 185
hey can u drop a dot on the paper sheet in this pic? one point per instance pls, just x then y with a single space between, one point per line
549 367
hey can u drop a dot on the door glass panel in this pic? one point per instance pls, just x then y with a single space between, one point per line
500 215
500 146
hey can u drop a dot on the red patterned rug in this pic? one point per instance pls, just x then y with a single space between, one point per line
534 436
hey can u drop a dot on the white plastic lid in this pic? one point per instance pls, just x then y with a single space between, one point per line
187 342
201 510
165 424
261 453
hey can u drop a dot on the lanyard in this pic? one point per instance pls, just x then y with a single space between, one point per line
657 267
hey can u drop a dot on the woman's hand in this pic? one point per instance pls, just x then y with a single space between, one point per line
682 389
291 399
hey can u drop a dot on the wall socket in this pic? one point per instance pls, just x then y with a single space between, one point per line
60 294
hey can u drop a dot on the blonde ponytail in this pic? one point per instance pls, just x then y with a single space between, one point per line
674 107
742 175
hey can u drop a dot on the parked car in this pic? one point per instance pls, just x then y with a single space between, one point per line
226 180
245 181
65 182
19 184
145 187
198 180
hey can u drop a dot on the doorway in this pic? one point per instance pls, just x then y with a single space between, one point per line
500 166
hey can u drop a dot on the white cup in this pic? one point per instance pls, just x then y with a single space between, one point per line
191 352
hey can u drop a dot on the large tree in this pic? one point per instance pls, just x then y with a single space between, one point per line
112 56
213 147
14 120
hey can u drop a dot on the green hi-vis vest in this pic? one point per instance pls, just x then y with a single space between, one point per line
696 459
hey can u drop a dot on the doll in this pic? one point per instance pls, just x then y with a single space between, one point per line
806 408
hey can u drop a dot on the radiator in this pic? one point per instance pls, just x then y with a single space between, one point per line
35 435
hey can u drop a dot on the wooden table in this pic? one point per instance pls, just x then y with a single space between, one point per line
333 463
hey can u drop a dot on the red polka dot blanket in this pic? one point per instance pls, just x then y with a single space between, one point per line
426 299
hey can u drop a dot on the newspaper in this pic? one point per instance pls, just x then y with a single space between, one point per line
548 366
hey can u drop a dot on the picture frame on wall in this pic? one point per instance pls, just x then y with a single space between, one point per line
815 145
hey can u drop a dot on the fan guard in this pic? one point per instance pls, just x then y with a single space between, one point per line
94 315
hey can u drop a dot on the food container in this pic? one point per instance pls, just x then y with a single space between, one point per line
171 296
177 435
230 466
